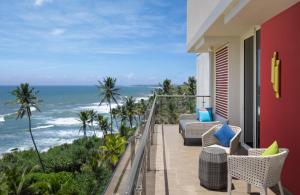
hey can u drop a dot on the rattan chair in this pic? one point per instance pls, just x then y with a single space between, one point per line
209 140
257 170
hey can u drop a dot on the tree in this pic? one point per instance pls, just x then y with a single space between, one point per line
167 87
113 149
102 123
141 109
26 98
122 114
130 109
109 94
92 116
191 85
84 119
114 113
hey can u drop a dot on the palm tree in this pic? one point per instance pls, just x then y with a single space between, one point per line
113 149
84 119
27 98
130 109
109 94
102 123
92 116
141 109
191 85
122 114
114 113
167 87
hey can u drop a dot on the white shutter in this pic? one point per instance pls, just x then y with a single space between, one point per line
222 82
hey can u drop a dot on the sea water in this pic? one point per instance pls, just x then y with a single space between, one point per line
58 121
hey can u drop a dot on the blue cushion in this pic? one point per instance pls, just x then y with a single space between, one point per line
204 116
197 114
210 111
224 135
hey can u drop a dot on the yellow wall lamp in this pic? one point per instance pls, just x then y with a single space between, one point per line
275 74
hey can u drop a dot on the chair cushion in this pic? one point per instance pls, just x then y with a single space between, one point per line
210 111
204 116
183 123
271 150
224 135
227 149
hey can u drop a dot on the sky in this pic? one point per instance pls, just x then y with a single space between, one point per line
77 42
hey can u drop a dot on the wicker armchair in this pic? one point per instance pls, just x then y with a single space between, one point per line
192 129
261 171
209 140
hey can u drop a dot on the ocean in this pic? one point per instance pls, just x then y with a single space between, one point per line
57 123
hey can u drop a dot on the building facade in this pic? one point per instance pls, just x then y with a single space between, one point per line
234 42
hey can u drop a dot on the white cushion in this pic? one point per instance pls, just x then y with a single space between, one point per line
227 149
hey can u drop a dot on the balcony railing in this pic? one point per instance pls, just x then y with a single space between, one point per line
130 178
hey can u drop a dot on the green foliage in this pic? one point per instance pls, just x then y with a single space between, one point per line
92 114
130 108
102 123
126 131
70 169
47 183
191 86
113 148
169 108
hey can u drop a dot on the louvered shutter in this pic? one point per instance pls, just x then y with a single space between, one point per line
222 82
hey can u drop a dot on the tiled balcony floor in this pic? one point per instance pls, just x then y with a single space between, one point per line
176 172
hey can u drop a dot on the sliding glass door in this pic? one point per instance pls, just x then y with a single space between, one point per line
248 91
252 90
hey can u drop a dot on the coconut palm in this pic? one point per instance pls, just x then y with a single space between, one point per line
109 94
191 86
26 98
102 123
141 109
130 109
122 113
113 148
84 119
114 113
167 87
92 116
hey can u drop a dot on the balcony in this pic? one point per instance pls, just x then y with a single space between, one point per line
157 161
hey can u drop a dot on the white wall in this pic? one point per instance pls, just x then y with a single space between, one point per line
234 82
203 77
197 12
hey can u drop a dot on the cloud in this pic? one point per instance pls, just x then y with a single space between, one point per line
41 2
57 31
130 75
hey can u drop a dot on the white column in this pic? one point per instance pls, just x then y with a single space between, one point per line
203 78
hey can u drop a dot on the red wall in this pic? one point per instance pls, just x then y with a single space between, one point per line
280 118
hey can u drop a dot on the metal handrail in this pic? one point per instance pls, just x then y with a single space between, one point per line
138 158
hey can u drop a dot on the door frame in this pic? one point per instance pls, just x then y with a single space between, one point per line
249 33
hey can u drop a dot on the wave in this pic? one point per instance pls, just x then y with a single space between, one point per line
3 116
103 108
43 127
63 121
138 99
